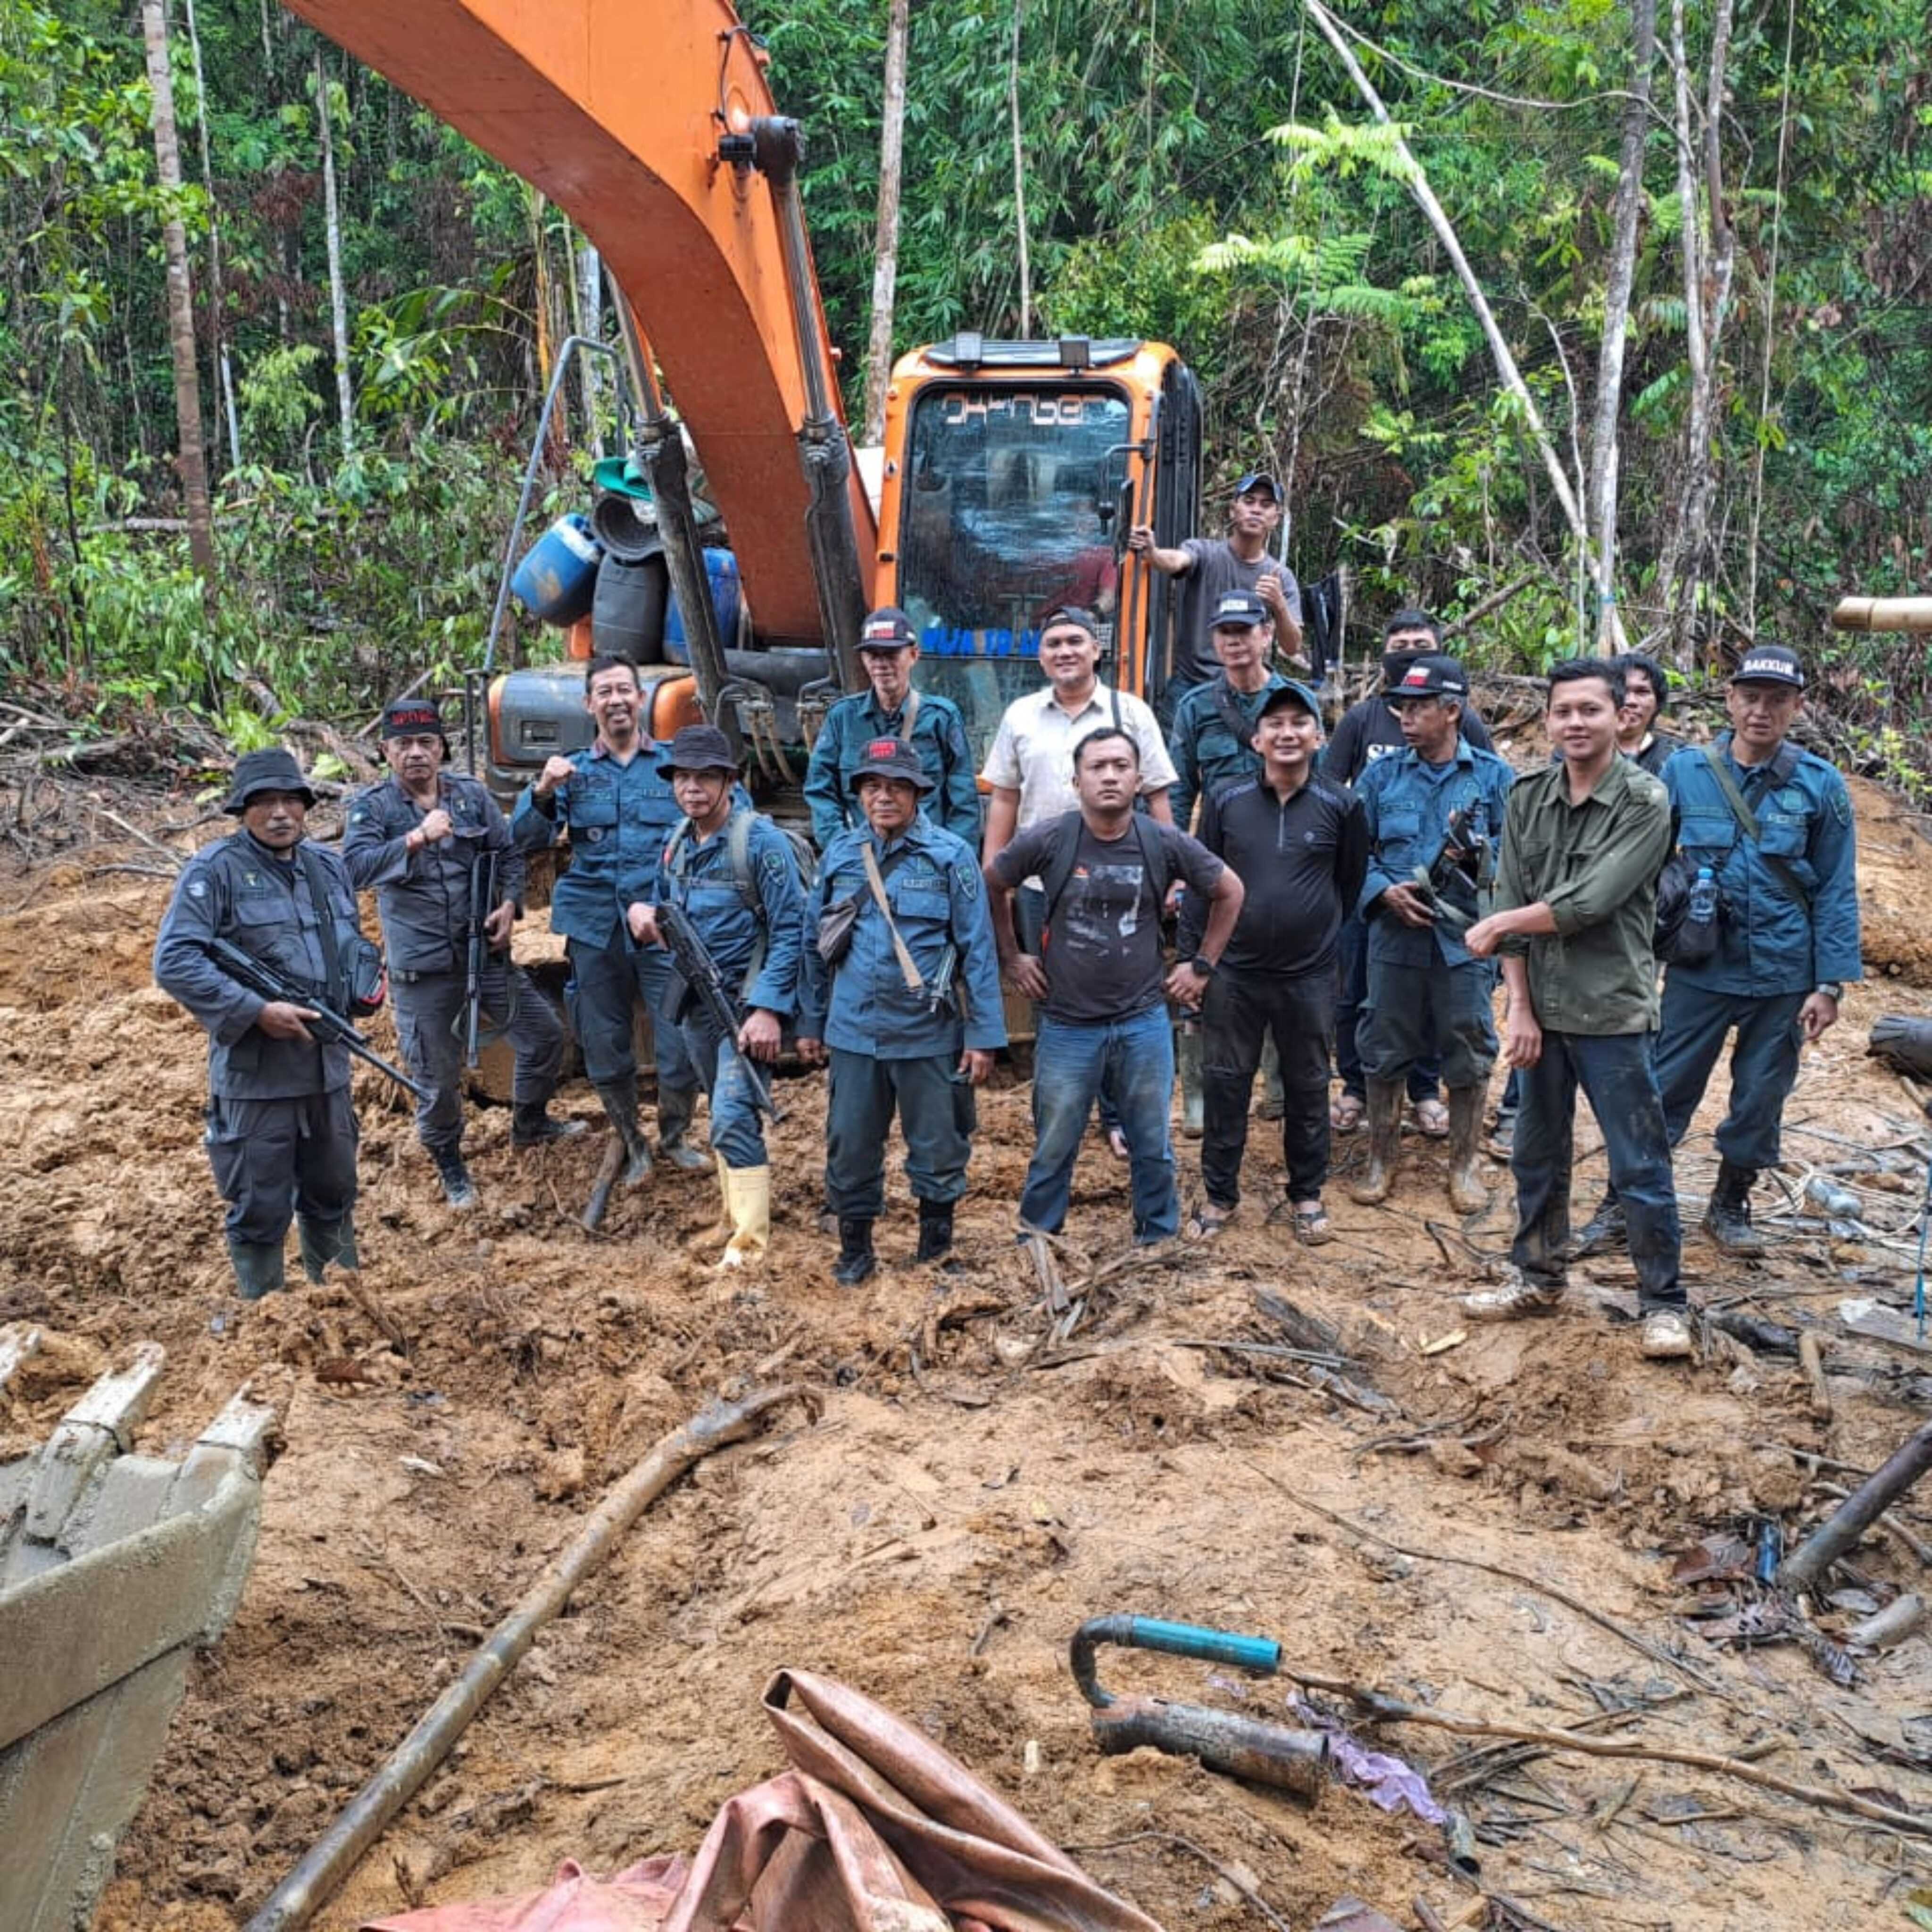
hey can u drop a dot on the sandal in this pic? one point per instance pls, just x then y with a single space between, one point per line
1345 1112
1207 1221
1432 1118
1311 1225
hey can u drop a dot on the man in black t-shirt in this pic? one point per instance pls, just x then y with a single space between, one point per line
1105 869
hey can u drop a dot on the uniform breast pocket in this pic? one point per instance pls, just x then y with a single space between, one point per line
593 813
1783 833
1708 832
923 906
1398 827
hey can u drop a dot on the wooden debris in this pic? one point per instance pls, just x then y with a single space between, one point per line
1811 1362
1807 1563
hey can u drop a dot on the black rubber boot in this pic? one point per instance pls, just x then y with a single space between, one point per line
1603 1233
675 1107
258 1268
1727 1219
856 1261
620 1108
325 1241
458 1189
531 1126
935 1230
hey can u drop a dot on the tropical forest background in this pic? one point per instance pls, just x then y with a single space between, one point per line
1703 228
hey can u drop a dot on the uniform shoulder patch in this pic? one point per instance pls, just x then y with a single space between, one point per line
966 879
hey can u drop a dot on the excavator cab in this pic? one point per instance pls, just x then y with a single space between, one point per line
1013 473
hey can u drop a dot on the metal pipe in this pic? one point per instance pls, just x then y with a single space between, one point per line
1882 614
334 1855
1823 1547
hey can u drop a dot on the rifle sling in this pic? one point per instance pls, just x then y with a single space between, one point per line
1748 823
915 982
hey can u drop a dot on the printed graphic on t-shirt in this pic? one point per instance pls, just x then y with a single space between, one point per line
1103 905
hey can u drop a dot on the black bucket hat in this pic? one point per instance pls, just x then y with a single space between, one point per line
274 770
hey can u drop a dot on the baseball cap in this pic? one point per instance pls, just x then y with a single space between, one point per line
701 748
1769 663
273 770
888 628
1238 609
1290 692
891 758
1258 479
1076 614
1431 675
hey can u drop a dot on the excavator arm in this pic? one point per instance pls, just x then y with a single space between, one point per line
617 110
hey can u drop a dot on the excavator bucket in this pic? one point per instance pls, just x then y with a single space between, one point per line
114 1568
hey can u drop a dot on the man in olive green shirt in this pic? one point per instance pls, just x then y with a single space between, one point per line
1575 902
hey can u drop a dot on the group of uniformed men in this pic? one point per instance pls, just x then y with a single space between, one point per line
1349 902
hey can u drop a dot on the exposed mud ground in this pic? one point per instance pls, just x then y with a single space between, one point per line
964 1496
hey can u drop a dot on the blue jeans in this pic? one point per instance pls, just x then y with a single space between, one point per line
1615 1070
1133 1060
737 1128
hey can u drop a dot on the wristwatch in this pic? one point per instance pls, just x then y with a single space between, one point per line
1201 969
1832 989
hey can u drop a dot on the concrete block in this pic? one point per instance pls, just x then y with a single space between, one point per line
18 1344
97 1428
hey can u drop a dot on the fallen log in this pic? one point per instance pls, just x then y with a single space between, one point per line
1858 1512
335 1854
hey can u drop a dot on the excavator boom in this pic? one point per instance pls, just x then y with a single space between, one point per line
615 109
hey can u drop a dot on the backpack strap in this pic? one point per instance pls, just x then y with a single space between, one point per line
317 876
1748 824
1229 706
1059 872
909 718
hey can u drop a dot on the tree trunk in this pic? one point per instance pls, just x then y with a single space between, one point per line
218 350
1617 285
587 305
1019 177
191 462
338 303
886 242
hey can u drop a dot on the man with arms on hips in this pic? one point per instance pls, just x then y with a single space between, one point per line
1576 905
1105 868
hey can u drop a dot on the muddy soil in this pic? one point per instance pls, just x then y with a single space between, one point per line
964 1491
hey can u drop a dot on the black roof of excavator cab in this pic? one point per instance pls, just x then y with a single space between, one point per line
970 350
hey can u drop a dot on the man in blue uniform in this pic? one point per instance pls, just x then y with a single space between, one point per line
931 724
1435 808
905 995
615 800
423 840
730 870
1774 824
281 1130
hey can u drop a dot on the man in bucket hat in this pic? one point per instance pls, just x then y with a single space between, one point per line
425 841
902 996
281 1130
888 649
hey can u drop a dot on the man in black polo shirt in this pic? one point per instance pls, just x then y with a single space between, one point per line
1300 845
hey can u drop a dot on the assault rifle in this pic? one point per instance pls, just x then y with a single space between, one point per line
483 874
941 995
1451 882
328 1027
699 972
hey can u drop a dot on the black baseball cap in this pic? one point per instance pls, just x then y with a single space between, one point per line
891 758
1076 614
1431 675
888 628
1769 663
1258 479
1238 610
1290 692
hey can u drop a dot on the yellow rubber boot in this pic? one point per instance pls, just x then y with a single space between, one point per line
748 1197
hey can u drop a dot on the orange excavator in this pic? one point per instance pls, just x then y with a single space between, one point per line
1012 471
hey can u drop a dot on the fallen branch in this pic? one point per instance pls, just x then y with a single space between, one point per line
1858 1512
1917 1544
330 1860
1702 1678
1385 1709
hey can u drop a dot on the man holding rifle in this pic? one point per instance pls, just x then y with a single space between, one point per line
281 1130
437 850
730 914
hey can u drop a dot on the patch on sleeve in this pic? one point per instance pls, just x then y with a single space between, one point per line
1841 805
197 889
966 878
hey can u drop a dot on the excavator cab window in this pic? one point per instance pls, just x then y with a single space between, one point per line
1002 519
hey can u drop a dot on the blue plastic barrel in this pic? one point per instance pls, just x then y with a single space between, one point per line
721 568
557 578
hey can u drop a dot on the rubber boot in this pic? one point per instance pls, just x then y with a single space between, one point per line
855 1260
458 1189
675 1106
1603 1233
258 1267
1727 1219
325 1241
1467 1194
1384 1122
531 1125
935 1230
1187 1065
620 1109
748 1196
